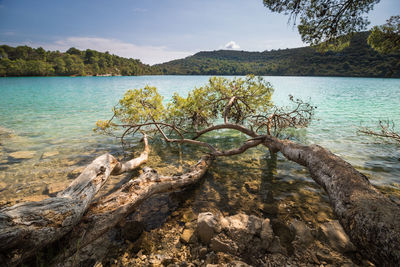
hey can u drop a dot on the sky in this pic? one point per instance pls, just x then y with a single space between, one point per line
154 31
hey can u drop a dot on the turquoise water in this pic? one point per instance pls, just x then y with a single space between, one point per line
56 115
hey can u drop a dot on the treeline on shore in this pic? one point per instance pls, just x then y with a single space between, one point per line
357 60
27 61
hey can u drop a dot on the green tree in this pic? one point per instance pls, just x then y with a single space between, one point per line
241 104
38 68
91 56
40 54
3 53
74 65
386 38
329 24
59 66
74 51
21 52
5 66
321 20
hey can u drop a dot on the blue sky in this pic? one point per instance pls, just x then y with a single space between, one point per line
154 31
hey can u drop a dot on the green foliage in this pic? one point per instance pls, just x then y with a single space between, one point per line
27 61
386 38
140 106
335 45
357 60
322 20
202 107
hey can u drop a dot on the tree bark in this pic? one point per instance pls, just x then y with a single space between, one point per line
27 227
370 219
112 209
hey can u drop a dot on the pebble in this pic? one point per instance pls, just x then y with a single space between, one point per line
187 236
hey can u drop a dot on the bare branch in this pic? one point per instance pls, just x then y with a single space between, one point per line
386 131
248 144
237 127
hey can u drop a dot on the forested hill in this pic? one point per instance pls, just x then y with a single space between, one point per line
27 61
359 60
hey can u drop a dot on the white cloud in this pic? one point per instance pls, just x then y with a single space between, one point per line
147 54
232 45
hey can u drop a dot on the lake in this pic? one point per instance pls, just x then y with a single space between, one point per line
46 132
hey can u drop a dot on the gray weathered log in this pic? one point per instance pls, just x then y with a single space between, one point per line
29 226
123 167
370 218
112 209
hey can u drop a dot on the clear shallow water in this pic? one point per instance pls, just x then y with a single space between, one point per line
56 115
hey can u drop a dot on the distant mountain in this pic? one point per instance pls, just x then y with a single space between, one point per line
358 60
27 61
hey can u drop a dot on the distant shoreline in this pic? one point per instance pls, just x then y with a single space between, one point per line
209 75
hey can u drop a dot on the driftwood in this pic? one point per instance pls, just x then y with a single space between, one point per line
112 209
370 219
27 227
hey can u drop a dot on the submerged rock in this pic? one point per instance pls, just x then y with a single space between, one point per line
49 154
240 226
22 154
6 133
333 233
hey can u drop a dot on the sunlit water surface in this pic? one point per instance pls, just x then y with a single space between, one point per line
49 120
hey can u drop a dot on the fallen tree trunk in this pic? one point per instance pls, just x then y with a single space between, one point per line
112 209
27 227
370 219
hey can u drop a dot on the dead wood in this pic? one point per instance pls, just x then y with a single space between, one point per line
27 227
370 218
109 211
